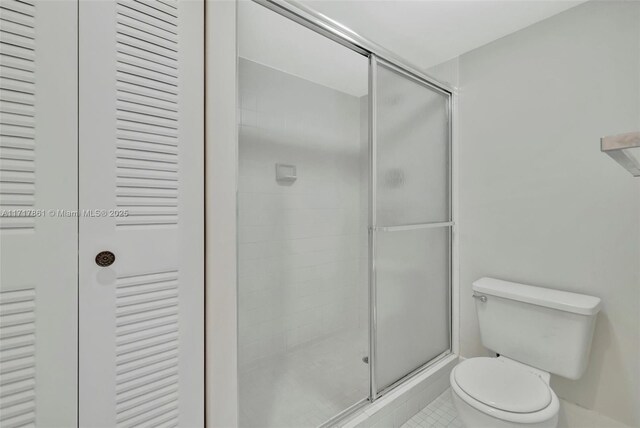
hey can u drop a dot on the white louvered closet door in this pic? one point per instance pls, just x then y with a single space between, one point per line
141 150
38 251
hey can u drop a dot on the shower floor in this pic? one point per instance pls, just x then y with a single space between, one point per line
307 386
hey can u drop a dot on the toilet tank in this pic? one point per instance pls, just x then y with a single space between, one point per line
544 328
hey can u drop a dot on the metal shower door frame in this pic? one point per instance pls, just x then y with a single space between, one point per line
374 62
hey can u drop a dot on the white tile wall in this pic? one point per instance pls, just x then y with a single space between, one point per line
300 244
302 250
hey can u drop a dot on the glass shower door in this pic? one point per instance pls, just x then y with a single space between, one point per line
302 223
411 224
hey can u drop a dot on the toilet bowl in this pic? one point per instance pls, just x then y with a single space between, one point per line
536 331
501 393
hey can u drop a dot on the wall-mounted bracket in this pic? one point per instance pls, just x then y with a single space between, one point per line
625 149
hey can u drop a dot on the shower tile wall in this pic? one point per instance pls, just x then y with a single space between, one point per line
301 244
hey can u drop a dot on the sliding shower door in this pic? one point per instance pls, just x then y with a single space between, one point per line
344 222
302 223
411 224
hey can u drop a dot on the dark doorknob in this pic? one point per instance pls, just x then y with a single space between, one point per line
105 258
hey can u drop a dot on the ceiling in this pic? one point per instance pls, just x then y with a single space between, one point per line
424 33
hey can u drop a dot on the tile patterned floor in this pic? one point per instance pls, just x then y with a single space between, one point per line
440 413
305 387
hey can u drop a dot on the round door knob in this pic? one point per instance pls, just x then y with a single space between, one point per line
105 258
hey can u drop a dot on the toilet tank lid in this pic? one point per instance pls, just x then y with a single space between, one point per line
547 297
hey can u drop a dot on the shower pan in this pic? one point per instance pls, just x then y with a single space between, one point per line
344 218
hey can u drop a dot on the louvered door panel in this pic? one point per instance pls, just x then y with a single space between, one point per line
17 113
18 356
147 348
38 250
147 113
141 146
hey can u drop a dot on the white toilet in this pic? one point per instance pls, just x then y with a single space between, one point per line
535 331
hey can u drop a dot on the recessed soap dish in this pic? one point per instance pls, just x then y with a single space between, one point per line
286 174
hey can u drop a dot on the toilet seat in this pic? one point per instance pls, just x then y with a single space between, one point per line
504 389
503 385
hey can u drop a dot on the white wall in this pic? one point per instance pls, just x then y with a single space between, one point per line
539 203
220 195
299 243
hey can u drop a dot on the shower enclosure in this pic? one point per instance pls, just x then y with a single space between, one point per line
344 219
